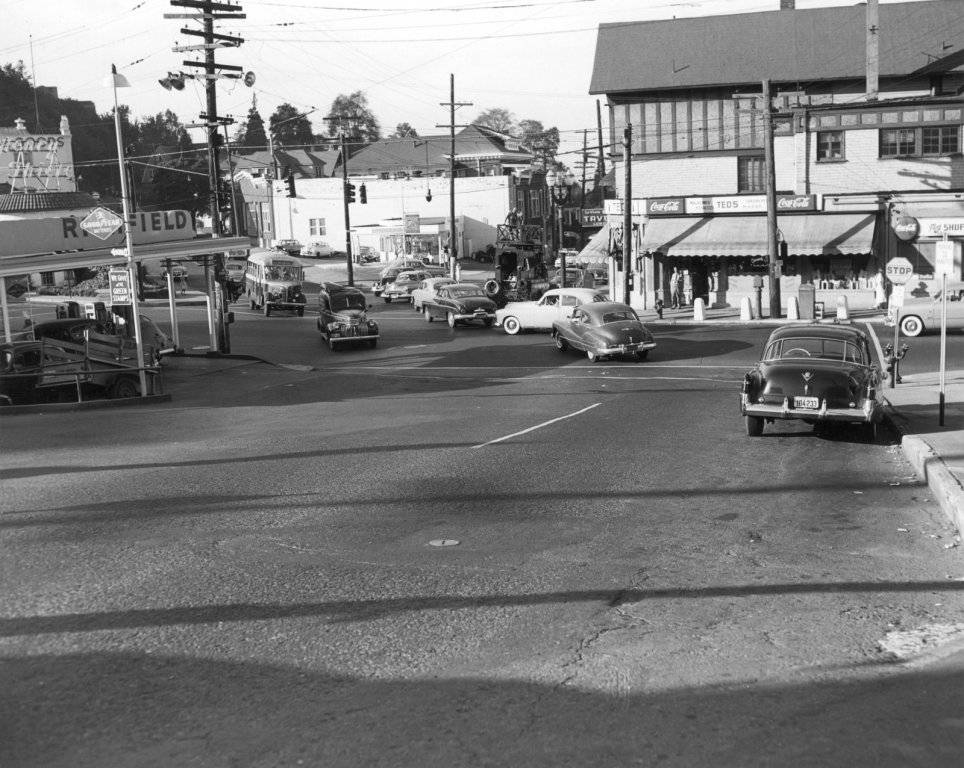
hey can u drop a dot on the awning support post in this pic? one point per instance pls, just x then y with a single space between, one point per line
6 310
172 300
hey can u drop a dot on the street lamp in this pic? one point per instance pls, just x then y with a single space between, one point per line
560 193
119 81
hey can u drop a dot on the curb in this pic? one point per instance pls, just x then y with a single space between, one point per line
931 467
84 405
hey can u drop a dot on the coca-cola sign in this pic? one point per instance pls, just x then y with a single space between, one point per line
664 206
795 202
907 228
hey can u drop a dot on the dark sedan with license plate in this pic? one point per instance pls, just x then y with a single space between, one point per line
460 303
604 329
814 373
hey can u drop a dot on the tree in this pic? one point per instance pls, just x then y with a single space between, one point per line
290 127
498 119
542 143
351 115
251 134
404 131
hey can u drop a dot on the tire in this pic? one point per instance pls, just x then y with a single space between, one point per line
911 326
372 343
427 314
487 322
511 325
387 299
491 288
450 318
593 357
561 344
754 426
124 387
301 311
331 344
640 356
872 432
252 302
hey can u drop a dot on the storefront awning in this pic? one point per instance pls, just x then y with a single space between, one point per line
99 257
596 251
813 234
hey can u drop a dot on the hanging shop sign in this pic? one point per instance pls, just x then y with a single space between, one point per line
37 161
412 223
119 281
953 227
593 218
665 206
907 228
65 233
748 204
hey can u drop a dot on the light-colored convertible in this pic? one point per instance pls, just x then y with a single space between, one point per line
554 304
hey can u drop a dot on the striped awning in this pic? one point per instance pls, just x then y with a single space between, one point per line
812 234
596 251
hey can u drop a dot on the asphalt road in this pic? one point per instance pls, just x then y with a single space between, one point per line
466 549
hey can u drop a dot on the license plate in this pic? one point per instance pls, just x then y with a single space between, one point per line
806 402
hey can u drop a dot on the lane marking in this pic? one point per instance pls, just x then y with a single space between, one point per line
880 352
537 426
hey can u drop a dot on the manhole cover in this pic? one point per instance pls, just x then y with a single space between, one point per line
443 543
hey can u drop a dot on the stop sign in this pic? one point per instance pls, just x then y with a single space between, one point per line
899 270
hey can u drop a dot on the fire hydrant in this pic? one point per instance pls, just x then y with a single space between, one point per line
893 359
659 308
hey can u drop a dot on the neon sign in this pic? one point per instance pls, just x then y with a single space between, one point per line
47 171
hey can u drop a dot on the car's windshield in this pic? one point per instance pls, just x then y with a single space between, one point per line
347 301
809 347
618 315
461 293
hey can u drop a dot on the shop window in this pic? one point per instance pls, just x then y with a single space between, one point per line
751 174
47 279
917 142
943 140
317 227
535 204
830 146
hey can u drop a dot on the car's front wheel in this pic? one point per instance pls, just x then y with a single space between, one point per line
511 325
593 357
754 426
427 314
124 387
641 355
911 326
450 317
561 344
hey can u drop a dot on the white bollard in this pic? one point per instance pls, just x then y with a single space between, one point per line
793 309
746 311
842 313
699 311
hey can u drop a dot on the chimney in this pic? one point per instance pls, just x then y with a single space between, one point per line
873 50
788 5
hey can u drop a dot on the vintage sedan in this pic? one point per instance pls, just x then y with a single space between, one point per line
427 289
604 329
317 249
814 373
555 304
923 313
460 303
390 271
403 285
343 317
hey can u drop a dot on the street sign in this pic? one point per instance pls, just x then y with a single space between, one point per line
101 223
899 270
120 286
944 251
16 290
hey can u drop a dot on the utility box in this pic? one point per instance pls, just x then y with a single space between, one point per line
806 298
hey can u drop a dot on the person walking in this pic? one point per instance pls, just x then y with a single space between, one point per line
676 287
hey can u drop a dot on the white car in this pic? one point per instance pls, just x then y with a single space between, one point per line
318 249
555 304
427 289
923 313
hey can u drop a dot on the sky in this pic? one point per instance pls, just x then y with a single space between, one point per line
531 57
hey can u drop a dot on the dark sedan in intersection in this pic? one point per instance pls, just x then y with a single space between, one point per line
460 303
814 373
604 329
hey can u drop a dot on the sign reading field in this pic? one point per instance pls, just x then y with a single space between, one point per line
899 270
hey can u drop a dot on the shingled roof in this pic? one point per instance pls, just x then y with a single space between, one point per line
781 45
32 202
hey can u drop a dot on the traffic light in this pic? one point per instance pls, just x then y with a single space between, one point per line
290 184
362 194
350 192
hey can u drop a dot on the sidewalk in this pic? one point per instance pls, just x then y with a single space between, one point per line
936 452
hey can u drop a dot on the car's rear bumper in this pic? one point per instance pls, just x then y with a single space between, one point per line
865 413
625 349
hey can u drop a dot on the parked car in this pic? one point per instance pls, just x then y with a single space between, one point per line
404 283
460 303
603 330
290 246
814 373
343 317
923 313
318 249
273 281
367 254
539 315
106 340
177 271
427 289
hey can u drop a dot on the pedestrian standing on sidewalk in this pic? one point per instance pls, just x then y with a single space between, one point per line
675 287
880 292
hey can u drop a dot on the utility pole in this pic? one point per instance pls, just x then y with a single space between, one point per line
344 180
627 209
600 160
207 12
771 194
452 104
